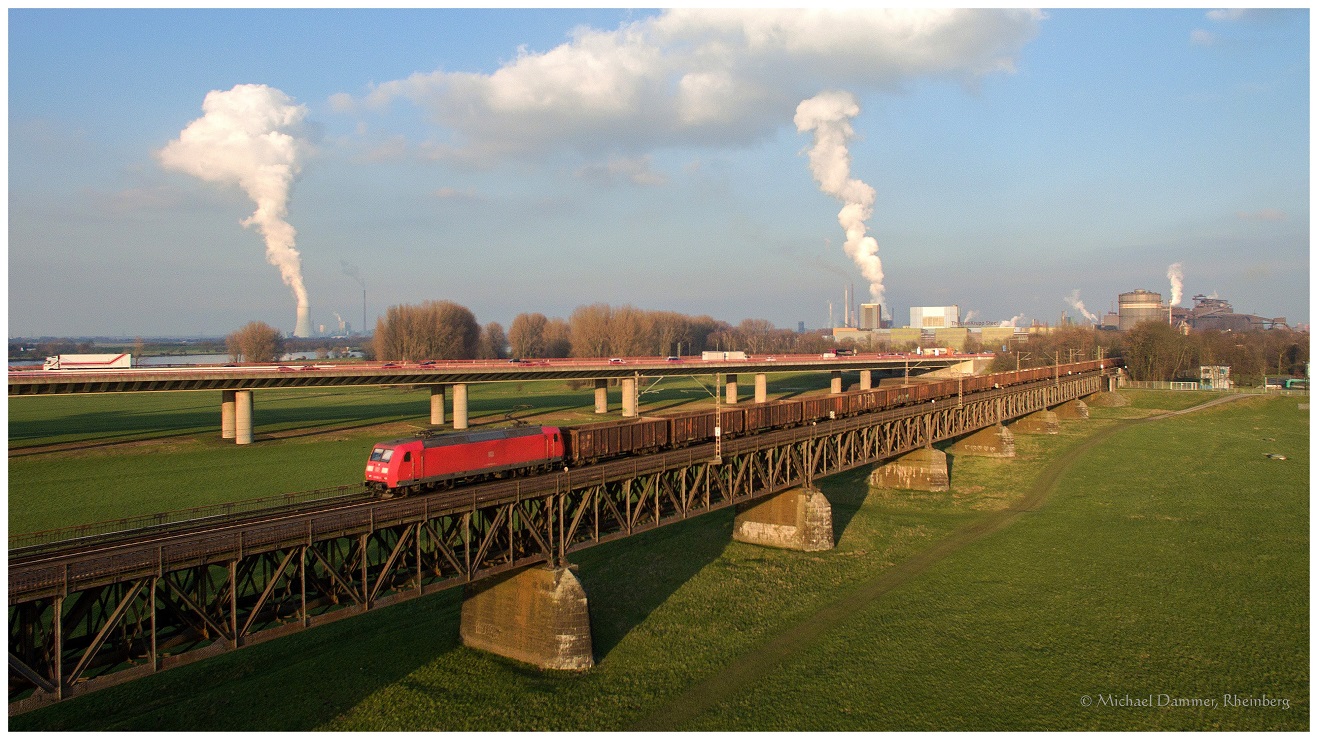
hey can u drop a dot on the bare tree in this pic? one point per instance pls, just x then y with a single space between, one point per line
527 335
629 331
440 330
255 342
558 338
590 330
493 342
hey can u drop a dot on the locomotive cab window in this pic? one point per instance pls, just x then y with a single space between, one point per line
407 457
381 454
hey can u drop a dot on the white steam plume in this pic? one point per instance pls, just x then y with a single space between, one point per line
1012 321
828 114
1176 277
1074 301
248 137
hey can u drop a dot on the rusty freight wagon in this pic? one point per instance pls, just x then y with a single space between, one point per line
590 442
772 414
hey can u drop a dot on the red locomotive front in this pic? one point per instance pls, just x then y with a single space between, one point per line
424 461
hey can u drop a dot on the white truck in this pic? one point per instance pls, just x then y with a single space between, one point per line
723 356
88 362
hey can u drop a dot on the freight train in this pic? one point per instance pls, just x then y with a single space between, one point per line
404 466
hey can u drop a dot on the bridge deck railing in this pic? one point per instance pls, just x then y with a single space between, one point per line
67 535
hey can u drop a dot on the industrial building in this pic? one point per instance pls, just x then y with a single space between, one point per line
935 317
871 316
1138 306
1216 313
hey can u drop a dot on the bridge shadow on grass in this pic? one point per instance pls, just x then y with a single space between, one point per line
294 683
846 493
627 579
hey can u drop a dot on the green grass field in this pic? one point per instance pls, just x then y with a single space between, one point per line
84 459
1172 559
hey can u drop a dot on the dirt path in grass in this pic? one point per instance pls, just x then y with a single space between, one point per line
763 658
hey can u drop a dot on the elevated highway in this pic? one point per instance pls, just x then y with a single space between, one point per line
304 375
450 379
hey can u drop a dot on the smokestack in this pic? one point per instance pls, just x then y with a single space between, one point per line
247 137
828 115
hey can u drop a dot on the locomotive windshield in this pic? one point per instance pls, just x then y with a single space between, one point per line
382 454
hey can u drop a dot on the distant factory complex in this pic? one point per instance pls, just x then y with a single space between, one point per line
942 326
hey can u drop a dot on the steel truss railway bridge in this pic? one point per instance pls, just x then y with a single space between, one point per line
87 617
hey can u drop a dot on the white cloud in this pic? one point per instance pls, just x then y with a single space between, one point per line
1200 37
1226 15
635 170
1266 214
696 76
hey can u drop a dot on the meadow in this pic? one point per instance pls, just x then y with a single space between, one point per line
83 459
1170 559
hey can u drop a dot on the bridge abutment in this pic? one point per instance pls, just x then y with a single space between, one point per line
835 382
1106 399
537 615
761 388
730 390
601 396
797 519
995 441
924 469
866 379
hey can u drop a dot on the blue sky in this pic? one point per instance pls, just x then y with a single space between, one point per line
516 160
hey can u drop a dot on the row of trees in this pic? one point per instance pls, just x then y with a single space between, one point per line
446 330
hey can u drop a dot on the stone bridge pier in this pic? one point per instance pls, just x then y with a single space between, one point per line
537 615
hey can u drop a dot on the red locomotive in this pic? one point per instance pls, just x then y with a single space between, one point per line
409 465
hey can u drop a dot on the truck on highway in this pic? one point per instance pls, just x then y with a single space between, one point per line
723 356
88 362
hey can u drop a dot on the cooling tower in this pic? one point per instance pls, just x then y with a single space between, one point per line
303 328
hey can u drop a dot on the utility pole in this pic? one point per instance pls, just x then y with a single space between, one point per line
718 419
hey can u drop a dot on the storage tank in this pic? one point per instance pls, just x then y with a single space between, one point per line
1140 305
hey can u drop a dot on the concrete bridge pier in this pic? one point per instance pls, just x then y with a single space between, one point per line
761 387
924 469
537 615
730 394
1040 422
835 383
601 396
437 405
796 519
628 397
994 441
227 410
1076 409
242 417
866 379
459 405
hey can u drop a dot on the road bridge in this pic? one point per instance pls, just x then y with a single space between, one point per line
81 619
237 384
